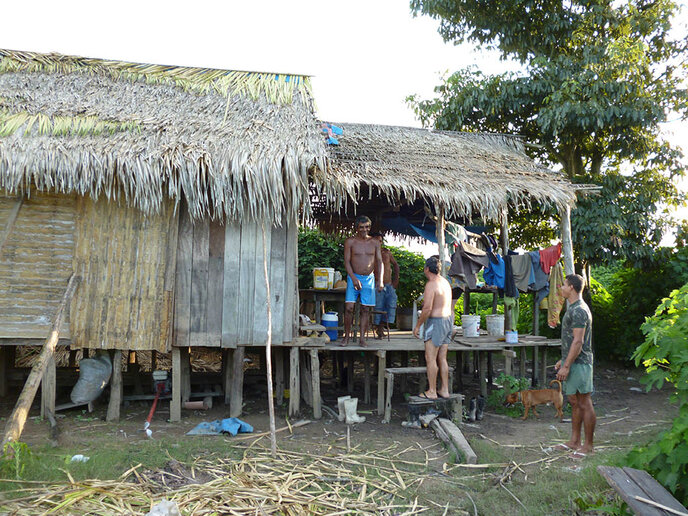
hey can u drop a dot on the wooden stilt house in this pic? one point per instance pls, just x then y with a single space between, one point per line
157 185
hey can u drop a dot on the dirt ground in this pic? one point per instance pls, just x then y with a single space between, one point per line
623 407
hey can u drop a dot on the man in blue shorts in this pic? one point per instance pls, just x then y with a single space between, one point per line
575 367
362 256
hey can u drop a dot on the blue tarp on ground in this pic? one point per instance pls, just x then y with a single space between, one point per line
230 426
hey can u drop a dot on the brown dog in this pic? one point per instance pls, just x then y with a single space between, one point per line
537 397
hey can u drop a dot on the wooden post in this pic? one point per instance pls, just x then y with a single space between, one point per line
389 380
185 357
236 400
366 378
4 370
459 371
504 229
268 351
115 387
566 241
349 372
176 402
227 356
522 363
382 365
482 357
536 363
278 354
439 234
315 384
306 385
48 387
294 379
16 421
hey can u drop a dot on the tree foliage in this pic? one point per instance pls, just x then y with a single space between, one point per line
664 354
599 77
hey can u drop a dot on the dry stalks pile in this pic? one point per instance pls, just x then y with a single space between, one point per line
293 484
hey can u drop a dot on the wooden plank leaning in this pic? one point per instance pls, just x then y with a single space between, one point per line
15 424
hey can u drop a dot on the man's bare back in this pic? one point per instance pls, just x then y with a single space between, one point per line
438 293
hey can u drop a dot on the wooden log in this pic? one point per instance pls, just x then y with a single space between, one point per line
294 382
16 421
315 384
115 387
236 400
382 365
458 440
48 388
442 434
176 402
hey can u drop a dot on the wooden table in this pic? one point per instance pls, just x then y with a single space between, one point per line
320 296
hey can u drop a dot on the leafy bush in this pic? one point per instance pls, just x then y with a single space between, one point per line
411 276
664 354
509 384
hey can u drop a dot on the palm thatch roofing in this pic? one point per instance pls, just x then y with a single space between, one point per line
467 174
235 144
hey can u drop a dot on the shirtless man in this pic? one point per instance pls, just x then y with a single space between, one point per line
386 300
439 323
362 256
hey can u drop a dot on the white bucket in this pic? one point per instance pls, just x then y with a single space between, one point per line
470 325
495 324
511 337
330 277
321 278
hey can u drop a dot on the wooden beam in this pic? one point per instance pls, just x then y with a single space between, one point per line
315 384
382 365
566 241
294 382
504 230
115 387
176 402
236 399
11 219
15 424
227 360
48 388
439 234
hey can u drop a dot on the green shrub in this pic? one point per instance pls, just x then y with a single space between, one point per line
664 354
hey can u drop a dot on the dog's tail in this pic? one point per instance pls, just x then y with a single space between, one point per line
557 382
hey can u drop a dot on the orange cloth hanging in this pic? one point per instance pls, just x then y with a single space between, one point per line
555 301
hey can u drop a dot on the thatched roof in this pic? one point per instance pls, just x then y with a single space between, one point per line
235 144
466 173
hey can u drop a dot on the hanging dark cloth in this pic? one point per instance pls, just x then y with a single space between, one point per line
466 263
541 286
510 289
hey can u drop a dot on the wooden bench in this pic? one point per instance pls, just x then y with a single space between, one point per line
643 494
389 377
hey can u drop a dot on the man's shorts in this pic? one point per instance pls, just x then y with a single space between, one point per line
367 292
439 330
579 380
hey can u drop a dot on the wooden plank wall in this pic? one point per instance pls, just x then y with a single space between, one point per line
124 299
35 264
220 289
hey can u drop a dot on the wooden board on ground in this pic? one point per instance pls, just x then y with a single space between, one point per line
636 484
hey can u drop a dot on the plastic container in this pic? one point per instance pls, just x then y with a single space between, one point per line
330 320
511 337
470 325
495 324
321 278
330 277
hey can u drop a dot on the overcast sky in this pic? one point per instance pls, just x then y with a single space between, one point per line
365 56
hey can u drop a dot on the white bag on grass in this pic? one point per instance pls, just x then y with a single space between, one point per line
94 375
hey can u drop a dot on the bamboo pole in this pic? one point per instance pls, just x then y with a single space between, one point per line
439 233
15 424
268 351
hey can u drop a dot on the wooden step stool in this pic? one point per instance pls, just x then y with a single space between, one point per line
389 377
451 407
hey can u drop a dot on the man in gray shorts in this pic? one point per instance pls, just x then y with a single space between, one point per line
439 321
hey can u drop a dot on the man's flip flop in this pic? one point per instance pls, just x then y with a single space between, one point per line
426 397
578 455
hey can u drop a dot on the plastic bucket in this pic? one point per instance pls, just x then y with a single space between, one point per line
511 337
470 325
330 277
495 324
330 320
321 278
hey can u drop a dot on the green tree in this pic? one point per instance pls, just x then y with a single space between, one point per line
598 79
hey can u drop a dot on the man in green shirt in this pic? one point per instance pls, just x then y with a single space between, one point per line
575 367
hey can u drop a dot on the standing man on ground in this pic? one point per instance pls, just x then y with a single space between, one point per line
363 262
439 322
386 299
575 367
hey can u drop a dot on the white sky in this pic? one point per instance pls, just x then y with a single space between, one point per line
365 56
